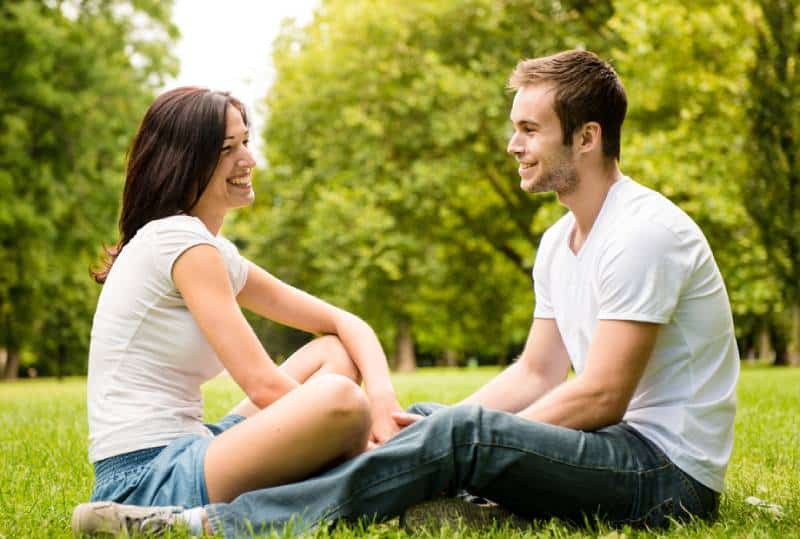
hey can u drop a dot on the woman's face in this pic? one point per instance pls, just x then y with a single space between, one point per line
231 183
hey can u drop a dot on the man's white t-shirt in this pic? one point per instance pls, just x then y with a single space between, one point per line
646 260
147 356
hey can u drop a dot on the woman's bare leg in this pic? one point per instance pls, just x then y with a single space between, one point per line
280 444
324 355
324 419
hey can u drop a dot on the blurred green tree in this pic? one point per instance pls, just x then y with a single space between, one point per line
76 76
685 66
388 190
772 184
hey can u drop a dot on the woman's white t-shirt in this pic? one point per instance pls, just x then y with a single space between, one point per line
148 357
646 260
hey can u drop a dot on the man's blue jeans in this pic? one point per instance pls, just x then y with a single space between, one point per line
533 469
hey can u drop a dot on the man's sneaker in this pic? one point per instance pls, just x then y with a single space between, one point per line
102 518
460 511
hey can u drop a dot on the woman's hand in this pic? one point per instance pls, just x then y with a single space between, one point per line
383 424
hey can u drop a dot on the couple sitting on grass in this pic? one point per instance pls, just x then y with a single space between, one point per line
627 293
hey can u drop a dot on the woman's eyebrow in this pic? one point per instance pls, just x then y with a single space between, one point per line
245 133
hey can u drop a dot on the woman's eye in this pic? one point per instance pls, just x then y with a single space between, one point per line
226 149
245 141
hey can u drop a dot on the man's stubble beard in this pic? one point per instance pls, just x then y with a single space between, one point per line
562 178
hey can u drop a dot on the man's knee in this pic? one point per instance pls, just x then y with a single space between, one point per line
462 421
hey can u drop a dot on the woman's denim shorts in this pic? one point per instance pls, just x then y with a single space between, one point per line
168 475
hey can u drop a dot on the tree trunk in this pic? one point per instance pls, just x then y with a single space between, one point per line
12 365
406 361
450 358
793 352
61 360
765 351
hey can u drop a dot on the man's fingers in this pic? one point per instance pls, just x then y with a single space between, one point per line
405 419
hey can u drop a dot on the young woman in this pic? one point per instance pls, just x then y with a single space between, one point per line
169 319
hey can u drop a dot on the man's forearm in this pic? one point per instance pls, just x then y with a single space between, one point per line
512 390
577 405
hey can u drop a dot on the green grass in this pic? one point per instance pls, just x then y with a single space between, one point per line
44 470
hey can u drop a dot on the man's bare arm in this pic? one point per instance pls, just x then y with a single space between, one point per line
600 395
543 365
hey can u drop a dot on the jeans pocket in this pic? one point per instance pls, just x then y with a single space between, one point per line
697 499
118 486
690 504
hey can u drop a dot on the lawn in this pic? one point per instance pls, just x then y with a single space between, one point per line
44 471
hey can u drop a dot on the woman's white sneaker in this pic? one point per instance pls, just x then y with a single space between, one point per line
101 518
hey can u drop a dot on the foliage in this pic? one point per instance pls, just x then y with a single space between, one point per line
77 76
414 214
44 471
772 187
388 190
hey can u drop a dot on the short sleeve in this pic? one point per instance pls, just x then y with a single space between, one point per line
173 237
237 265
641 274
541 282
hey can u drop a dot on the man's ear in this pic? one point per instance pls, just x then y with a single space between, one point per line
588 137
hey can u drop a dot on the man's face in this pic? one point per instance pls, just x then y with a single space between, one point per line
545 163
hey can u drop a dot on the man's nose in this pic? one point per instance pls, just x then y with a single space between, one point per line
514 146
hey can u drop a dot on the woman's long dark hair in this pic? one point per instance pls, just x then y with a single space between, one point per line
171 160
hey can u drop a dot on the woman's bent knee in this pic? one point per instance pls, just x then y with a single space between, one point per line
347 410
344 400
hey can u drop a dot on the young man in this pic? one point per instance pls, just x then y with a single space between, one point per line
627 293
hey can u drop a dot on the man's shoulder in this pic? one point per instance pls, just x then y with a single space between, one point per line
640 212
650 228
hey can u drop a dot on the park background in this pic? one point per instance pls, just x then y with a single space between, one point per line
384 187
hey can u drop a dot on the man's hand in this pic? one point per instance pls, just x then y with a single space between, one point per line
404 419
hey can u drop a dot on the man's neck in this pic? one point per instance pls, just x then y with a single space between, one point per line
586 201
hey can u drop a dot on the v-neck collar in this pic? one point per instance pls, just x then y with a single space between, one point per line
597 221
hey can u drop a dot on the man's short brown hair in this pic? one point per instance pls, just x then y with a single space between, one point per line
587 89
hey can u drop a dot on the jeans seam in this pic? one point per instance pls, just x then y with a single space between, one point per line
214 521
376 483
336 508
690 488
123 475
570 464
